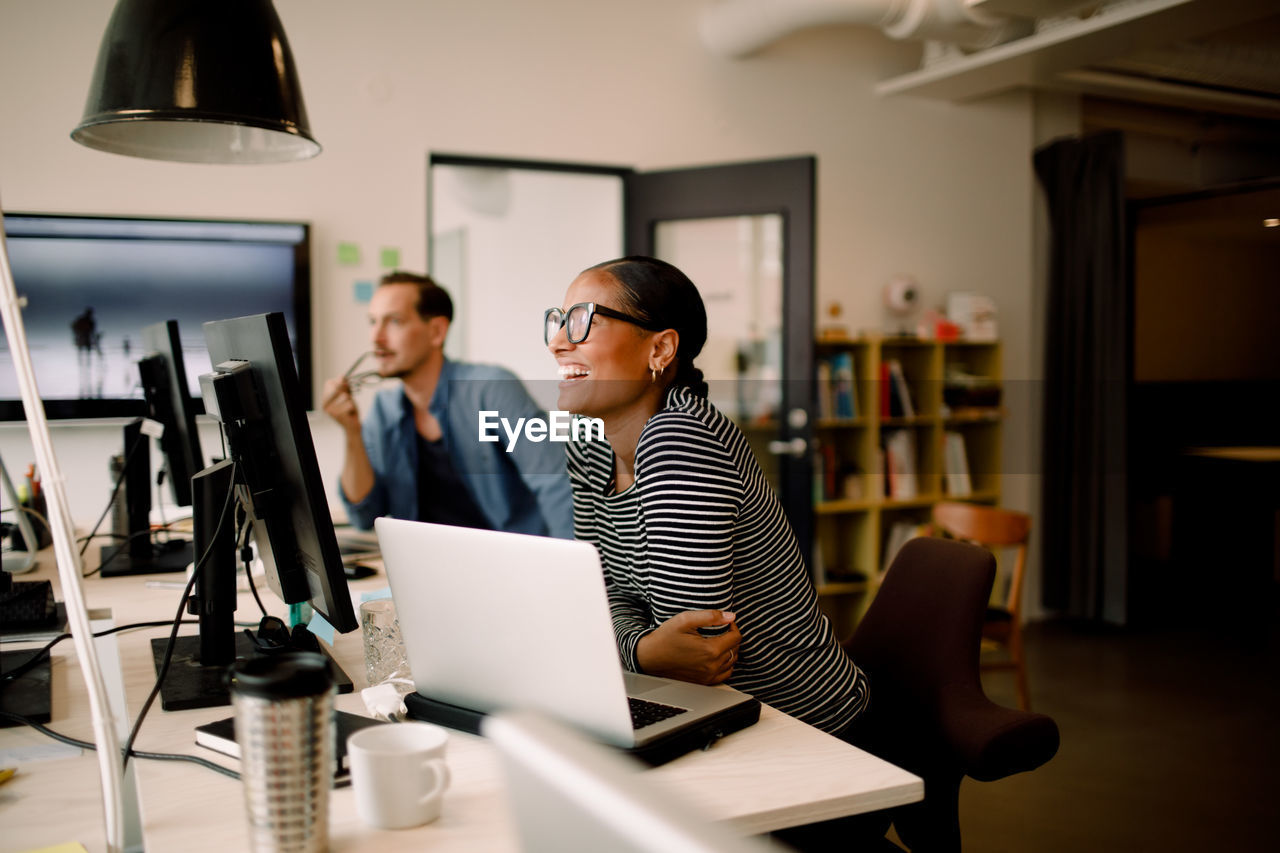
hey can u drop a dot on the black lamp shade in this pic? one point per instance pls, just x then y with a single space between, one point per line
198 81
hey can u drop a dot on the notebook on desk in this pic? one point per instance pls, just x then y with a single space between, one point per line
495 621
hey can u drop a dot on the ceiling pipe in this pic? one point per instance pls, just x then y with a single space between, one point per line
738 28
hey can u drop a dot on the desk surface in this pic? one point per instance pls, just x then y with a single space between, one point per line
777 773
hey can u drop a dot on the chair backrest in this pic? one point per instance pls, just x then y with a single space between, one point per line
918 643
924 627
990 527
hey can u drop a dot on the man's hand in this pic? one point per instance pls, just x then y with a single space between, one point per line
679 649
337 402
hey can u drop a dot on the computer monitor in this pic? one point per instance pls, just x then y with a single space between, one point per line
572 795
253 392
169 403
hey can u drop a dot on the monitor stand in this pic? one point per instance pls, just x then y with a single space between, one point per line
196 677
190 684
171 556
29 695
138 555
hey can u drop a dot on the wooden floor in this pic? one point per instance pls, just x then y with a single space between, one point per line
1170 742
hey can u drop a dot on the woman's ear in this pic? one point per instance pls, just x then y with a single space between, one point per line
665 345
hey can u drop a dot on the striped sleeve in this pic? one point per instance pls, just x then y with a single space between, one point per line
690 497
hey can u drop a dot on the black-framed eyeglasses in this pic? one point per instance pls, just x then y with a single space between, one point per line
576 321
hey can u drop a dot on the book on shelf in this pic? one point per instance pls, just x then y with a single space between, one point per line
956 459
819 486
900 464
826 391
899 533
843 385
829 474
886 399
900 404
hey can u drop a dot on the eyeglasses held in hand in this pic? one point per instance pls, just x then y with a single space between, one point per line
362 378
577 321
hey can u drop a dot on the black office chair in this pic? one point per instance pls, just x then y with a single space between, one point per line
918 644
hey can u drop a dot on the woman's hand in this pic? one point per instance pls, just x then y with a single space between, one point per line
678 649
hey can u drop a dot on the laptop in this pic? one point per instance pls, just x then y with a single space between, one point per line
495 621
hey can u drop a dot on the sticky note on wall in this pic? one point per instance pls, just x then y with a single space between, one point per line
348 254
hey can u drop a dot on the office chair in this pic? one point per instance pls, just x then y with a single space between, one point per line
995 528
919 645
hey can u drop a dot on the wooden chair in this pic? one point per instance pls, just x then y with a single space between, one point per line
995 528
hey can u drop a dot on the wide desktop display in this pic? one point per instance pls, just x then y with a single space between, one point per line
92 283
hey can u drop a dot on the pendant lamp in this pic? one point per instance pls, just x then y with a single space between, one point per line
197 81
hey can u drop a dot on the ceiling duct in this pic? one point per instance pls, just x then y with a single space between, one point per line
1196 54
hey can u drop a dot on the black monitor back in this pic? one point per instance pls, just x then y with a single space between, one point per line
164 384
292 526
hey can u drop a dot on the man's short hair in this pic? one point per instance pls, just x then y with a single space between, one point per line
433 300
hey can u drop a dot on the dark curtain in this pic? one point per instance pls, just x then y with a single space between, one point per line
1084 519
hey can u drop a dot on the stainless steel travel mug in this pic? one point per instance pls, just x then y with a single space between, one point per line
284 727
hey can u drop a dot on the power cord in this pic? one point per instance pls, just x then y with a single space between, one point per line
84 744
29 511
246 554
123 545
43 652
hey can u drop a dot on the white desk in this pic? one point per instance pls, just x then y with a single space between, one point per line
777 773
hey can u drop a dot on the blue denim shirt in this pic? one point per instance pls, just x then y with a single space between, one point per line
524 491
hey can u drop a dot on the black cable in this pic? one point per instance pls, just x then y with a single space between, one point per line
165 528
246 554
43 652
84 744
35 516
248 574
128 455
125 544
177 619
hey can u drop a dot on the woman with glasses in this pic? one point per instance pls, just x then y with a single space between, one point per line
704 575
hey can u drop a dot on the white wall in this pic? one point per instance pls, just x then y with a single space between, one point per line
942 191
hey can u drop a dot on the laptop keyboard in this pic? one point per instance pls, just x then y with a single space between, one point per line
645 713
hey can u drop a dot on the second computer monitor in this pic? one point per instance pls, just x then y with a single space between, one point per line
164 384
254 392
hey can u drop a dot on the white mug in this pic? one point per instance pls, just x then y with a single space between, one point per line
398 773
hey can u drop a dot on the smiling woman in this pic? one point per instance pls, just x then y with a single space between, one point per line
705 577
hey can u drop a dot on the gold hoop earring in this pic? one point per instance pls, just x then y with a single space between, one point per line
655 372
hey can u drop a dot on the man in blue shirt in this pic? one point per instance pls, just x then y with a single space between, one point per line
417 454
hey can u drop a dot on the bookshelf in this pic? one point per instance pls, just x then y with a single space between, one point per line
922 422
